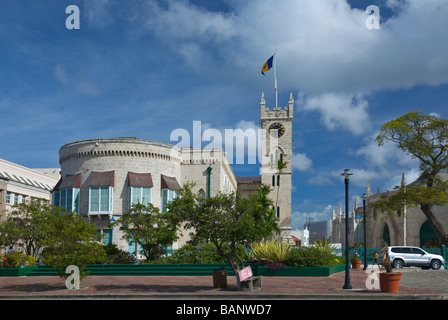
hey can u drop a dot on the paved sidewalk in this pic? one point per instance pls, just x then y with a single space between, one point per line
415 284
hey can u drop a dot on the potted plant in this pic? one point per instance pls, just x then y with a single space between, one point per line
389 281
355 258
356 261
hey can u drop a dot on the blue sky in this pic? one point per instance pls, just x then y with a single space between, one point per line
143 68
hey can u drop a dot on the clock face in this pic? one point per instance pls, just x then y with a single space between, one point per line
279 127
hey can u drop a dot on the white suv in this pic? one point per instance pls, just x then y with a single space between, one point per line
401 256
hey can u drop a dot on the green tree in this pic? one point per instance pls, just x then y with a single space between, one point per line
425 137
280 167
226 220
25 225
153 230
70 240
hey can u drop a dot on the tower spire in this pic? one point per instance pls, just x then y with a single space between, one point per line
368 191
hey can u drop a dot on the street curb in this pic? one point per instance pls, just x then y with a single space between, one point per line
232 296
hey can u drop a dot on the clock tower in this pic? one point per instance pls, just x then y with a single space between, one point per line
276 158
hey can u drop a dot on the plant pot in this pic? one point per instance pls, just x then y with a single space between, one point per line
356 264
390 282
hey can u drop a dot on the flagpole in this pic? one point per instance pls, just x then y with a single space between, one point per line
275 78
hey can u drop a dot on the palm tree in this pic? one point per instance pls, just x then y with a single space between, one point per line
280 166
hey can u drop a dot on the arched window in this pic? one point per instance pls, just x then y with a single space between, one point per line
386 234
276 155
426 233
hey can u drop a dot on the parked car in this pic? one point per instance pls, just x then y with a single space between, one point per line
405 256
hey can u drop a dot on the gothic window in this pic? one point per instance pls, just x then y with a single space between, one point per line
275 156
386 234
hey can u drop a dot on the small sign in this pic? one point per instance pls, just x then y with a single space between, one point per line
244 274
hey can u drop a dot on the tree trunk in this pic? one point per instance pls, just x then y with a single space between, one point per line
235 267
435 225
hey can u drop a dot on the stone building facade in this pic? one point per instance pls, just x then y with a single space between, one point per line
276 144
19 184
276 125
408 226
101 178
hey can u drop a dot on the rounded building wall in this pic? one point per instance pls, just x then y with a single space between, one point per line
120 155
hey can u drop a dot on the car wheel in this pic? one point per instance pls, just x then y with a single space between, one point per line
397 264
436 264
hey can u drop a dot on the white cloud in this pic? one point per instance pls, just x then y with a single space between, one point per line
301 162
323 46
386 155
344 111
320 180
183 21
82 82
435 114
298 219
409 175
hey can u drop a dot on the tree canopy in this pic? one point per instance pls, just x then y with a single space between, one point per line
153 230
25 226
424 137
226 220
70 240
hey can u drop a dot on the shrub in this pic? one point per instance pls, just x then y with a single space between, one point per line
30 260
311 257
270 251
14 260
115 255
325 245
202 253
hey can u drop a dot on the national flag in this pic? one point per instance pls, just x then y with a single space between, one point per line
267 65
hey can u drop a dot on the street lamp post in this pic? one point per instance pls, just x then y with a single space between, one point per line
364 201
347 284
209 172
111 220
358 219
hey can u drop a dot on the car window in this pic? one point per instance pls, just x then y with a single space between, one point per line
396 250
418 251
407 250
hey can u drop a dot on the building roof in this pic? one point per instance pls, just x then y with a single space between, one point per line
101 178
248 179
140 179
